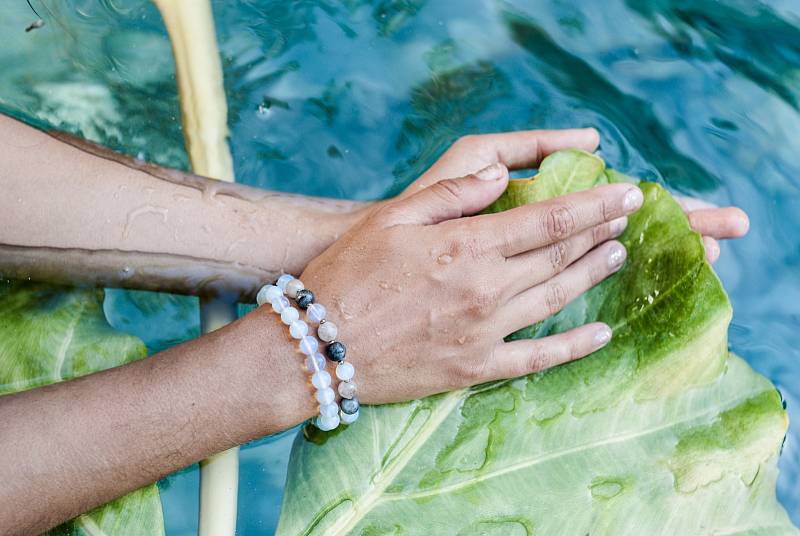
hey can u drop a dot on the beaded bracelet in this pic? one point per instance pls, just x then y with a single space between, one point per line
330 414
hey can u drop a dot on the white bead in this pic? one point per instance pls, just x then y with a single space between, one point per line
279 304
327 331
329 410
309 345
289 315
325 396
347 389
293 287
345 371
315 362
347 418
315 312
321 379
298 329
267 294
327 423
283 280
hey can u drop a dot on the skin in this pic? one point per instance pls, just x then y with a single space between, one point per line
75 445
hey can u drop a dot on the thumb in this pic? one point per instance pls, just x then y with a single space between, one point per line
451 198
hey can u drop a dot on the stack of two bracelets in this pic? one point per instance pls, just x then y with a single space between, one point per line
278 295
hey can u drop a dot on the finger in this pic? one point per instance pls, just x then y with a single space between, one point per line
527 148
536 225
712 249
719 223
522 149
518 358
533 267
548 298
448 199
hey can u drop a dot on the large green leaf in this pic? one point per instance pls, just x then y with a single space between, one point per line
50 334
661 432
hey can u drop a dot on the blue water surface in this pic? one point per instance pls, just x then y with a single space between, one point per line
354 99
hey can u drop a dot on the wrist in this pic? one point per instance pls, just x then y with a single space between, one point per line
273 372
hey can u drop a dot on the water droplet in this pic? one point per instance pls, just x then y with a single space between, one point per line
444 259
605 488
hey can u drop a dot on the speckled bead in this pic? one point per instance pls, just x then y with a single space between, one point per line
345 371
316 313
325 396
350 405
293 287
348 418
298 329
327 331
336 351
347 389
309 345
267 294
283 281
304 298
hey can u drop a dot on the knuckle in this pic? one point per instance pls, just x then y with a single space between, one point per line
555 297
467 244
607 211
539 359
596 273
557 252
574 351
599 234
559 222
481 301
448 190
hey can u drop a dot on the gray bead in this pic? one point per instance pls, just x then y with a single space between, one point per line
336 351
349 405
304 298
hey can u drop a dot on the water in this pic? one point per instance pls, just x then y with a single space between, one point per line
354 99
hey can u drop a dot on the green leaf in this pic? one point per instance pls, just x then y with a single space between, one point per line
661 432
50 334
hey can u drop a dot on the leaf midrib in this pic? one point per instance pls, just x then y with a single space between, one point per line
61 356
555 455
365 503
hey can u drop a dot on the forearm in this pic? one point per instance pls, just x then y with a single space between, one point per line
108 433
76 213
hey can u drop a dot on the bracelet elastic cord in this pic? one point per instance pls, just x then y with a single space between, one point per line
277 295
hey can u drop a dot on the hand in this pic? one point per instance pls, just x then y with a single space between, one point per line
424 296
525 149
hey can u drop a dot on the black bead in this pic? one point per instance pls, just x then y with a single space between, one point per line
349 405
304 298
336 351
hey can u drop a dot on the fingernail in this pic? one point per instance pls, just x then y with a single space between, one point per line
633 200
491 173
618 226
616 256
602 336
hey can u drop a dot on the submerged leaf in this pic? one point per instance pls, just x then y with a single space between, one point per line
49 334
660 432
